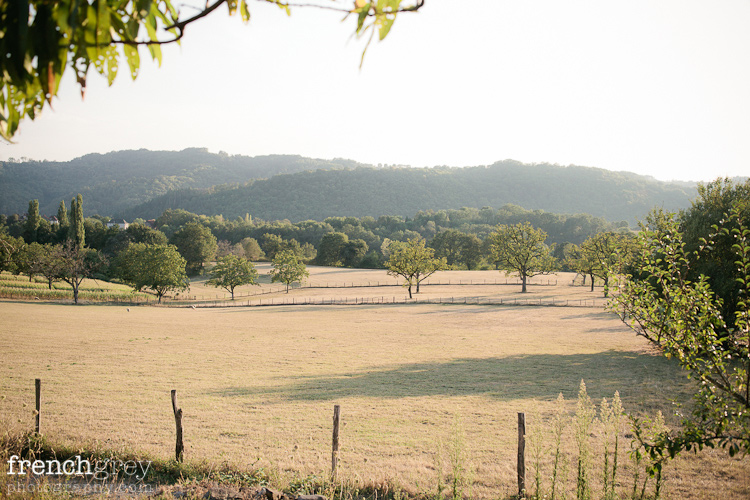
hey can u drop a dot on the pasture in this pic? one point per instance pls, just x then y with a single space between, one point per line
257 385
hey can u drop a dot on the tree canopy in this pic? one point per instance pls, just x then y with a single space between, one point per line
683 317
288 268
42 39
413 261
520 248
232 271
158 267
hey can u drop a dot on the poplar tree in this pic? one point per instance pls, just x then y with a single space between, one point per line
62 218
76 230
32 222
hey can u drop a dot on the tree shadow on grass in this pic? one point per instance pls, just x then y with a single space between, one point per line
539 376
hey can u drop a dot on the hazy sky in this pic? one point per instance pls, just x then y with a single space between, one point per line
657 87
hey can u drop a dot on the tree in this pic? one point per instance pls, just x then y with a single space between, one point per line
62 216
331 248
196 244
77 228
232 271
51 265
413 261
77 264
31 225
41 39
140 233
224 248
252 249
158 267
714 201
520 249
575 260
29 260
9 249
458 248
353 252
272 243
604 254
288 268
683 317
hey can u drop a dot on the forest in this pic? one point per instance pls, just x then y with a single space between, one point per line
143 184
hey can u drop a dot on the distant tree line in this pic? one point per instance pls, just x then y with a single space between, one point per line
161 258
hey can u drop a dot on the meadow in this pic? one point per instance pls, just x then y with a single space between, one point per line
257 385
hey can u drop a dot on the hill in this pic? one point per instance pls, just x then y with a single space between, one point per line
366 191
119 180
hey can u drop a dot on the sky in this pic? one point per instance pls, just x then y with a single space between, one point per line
656 87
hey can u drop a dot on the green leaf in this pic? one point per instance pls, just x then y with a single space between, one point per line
134 59
244 11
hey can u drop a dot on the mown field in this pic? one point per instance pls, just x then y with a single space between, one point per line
257 385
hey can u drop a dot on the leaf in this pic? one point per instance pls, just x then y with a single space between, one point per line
385 25
244 11
134 59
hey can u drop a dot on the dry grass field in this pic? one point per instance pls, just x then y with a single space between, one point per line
257 385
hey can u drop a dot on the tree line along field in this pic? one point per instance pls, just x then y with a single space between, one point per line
257 385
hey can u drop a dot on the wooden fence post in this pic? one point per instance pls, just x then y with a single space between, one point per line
38 387
179 448
521 454
335 444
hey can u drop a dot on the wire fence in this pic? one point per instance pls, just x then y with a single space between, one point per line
384 300
270 289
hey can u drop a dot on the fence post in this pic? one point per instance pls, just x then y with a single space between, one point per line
335 444
521 454
179 448
38 388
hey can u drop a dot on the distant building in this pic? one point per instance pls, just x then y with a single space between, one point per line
151 223
121 223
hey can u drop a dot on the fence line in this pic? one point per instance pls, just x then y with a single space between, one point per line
369 284
393 300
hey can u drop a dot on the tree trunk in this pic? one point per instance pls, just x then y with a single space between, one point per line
158 295
606 285
49 283
523 283
592 282
232 293
287 288
409 290
75 294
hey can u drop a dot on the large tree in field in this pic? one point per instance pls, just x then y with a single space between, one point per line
520 249
158 267
232 271
42 39
605 254
683 317
288 268
30 259
196 244
413 261
76 264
